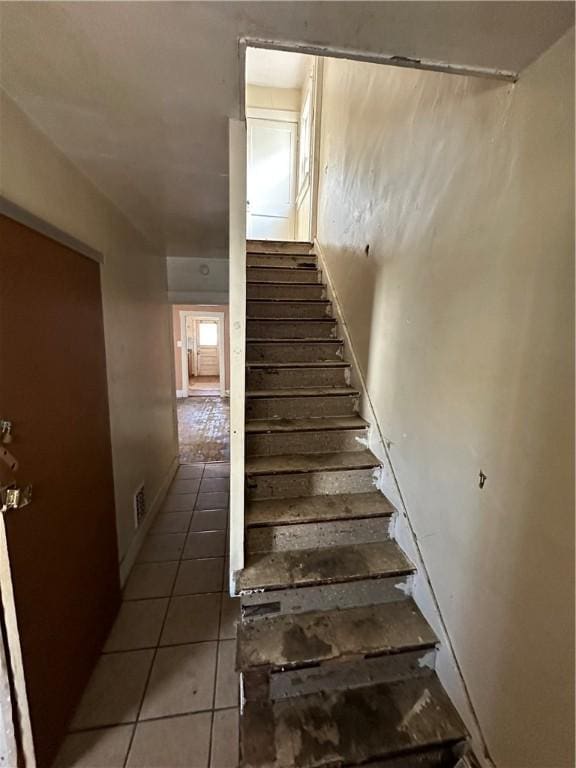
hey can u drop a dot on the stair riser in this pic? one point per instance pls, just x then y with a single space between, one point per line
342 675
286 378
314 291
304 407
281 260
292 329
278 246
293 309
334 533
349 594
327 441
294 352
273 275
310 484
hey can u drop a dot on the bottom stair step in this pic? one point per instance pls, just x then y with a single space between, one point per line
373 723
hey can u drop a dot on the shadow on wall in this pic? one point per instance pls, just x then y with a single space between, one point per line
461 315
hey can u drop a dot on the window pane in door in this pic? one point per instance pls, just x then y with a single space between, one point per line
208 334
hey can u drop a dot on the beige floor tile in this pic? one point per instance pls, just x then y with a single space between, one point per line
179 502
137 625
224 753
197 576
176 742
205 544
218 500
230 614
172 522
217 470
182 680
227 680
150 580
185 485
191 618
189 471
209 520
214 484
162 546
102 748
115 690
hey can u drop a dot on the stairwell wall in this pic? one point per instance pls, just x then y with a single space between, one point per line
446 224
35 175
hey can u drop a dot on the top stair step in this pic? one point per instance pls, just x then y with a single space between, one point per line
397 720
279 246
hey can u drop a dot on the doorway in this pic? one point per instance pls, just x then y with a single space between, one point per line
281 109
203 363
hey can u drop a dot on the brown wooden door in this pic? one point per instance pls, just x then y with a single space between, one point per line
62 548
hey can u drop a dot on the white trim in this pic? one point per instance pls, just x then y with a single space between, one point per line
282 115
30 220
198 315
136 544
392 60
447 667
181 393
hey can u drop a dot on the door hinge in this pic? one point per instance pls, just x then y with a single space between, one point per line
12 497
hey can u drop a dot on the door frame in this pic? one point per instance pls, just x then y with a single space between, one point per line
198 315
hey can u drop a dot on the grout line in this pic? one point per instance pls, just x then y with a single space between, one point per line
96 728
216 666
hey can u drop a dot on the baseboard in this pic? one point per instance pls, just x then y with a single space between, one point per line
135 545
181 393
447 666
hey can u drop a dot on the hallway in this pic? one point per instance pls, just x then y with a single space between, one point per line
165 692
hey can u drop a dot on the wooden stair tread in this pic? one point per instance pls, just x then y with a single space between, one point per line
288 301
293 319
313 424
313 567
303 364
317 509
303 392
351 727
293 463
302 268
293 640
306 340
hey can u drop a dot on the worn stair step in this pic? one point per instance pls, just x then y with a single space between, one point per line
312 567
279 246
301 640
350 727
278 290
288 308
306 402
304 463
333 533
288 328
436 757
317 509
316 442
269 376
271 426
318 483
301 351
296 275
304 260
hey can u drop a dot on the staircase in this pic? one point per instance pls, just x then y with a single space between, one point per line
337 662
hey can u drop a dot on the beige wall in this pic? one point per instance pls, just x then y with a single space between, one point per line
461 315
176 331
273 98
37 177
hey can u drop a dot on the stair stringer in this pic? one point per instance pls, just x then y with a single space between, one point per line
446 664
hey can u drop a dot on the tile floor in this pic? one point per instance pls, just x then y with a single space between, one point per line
164 693
203 429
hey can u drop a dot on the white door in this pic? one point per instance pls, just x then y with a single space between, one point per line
272 152
207 360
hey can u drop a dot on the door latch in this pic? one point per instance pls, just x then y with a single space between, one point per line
5 431
12 497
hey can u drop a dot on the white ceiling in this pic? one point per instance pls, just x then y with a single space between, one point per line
138 94
277 69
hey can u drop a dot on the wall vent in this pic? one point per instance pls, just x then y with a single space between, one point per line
139 506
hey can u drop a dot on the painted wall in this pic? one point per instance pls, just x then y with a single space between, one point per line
265 97
177 336
446 219
37 177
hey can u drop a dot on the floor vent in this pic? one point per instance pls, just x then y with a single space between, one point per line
139 505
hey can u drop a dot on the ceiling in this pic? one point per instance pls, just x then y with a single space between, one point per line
277 69
138 94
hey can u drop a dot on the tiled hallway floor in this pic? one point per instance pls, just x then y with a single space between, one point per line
203 429
164 693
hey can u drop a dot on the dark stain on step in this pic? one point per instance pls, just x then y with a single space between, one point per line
326 563
298 645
